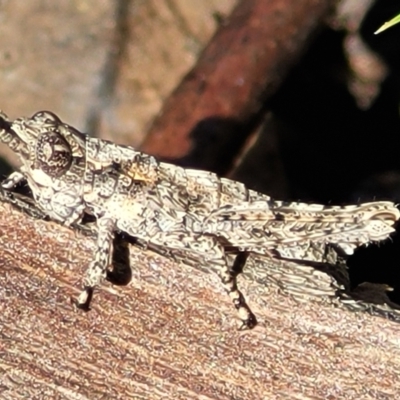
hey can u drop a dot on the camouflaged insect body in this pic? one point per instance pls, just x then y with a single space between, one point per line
211 220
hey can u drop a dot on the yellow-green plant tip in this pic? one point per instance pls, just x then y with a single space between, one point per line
388 24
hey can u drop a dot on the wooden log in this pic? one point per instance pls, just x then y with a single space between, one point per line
171 333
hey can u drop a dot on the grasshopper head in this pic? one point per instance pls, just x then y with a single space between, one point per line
42 142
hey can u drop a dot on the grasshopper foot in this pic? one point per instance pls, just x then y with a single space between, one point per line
84 299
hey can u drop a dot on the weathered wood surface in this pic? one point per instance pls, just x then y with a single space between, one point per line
171 333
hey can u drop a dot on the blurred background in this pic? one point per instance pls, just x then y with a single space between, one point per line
297 99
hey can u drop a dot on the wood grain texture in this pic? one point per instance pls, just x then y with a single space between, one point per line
170 333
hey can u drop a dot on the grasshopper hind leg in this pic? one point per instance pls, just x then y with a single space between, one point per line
209 251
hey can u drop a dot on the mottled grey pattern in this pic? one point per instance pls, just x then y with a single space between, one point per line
193 215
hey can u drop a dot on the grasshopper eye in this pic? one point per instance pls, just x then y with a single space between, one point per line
53 154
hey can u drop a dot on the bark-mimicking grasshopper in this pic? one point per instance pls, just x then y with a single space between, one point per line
215 221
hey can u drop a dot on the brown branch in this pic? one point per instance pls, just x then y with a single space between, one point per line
205 121
169 333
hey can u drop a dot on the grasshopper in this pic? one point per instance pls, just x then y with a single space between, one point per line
211 220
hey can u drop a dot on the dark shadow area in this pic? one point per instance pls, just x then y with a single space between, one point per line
5 169
121 274
378 263
216 142
386 44
330 147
